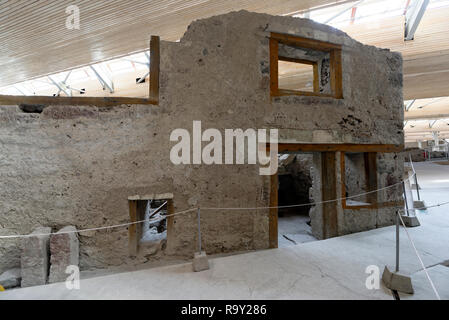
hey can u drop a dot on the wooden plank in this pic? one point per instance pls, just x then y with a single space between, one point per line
273 214
287 92
304 42
71 101
329 192
336 74
155 60
296 60
345 147
132 229
316 79
274 67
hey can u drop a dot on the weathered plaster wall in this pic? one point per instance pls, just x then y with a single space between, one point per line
77 165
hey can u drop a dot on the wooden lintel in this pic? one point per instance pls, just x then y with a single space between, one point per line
296 60
80 101
304 42
289 92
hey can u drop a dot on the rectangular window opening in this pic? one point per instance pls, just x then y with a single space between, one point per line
154 229
301 66
359 179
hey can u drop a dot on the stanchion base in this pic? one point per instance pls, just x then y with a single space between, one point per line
419 205
200 262
411 221
397 281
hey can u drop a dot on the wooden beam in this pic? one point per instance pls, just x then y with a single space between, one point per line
273 214
155 60
296 60
274 67
304 42
345 147
71 101
316 79
287 92
336 74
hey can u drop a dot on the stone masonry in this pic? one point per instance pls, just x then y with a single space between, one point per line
85 161
35 256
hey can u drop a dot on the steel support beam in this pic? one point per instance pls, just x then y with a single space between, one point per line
61 86
432 123
413 17
103 77
409 105
343 11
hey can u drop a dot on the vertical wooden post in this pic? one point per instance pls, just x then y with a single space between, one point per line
132 229
155 58
273 213
336 74
329 192
316 78
274 67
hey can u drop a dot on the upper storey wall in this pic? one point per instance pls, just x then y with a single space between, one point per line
221 68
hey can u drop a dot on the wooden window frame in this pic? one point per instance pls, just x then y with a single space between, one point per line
334 51
153 98
370 159
137 206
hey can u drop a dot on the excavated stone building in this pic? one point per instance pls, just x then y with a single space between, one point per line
88 165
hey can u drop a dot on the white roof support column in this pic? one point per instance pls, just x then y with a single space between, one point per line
413 17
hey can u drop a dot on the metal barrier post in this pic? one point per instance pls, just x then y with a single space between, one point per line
405 197
417 187
397 241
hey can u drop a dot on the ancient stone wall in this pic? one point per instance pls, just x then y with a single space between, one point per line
77 166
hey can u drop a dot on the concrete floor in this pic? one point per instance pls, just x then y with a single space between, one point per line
329 269
294 226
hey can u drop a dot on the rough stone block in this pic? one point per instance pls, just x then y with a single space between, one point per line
64 248
200 262
35 256
11 278
397 281
419 204
411 221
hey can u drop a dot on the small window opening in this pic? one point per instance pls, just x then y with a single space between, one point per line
154 229
359 177
300 66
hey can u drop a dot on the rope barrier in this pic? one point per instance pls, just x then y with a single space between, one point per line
419 258
206 208
313 203
96 229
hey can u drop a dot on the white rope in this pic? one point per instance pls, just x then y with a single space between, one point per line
427 207
313 203
420 260
192 209
95 229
